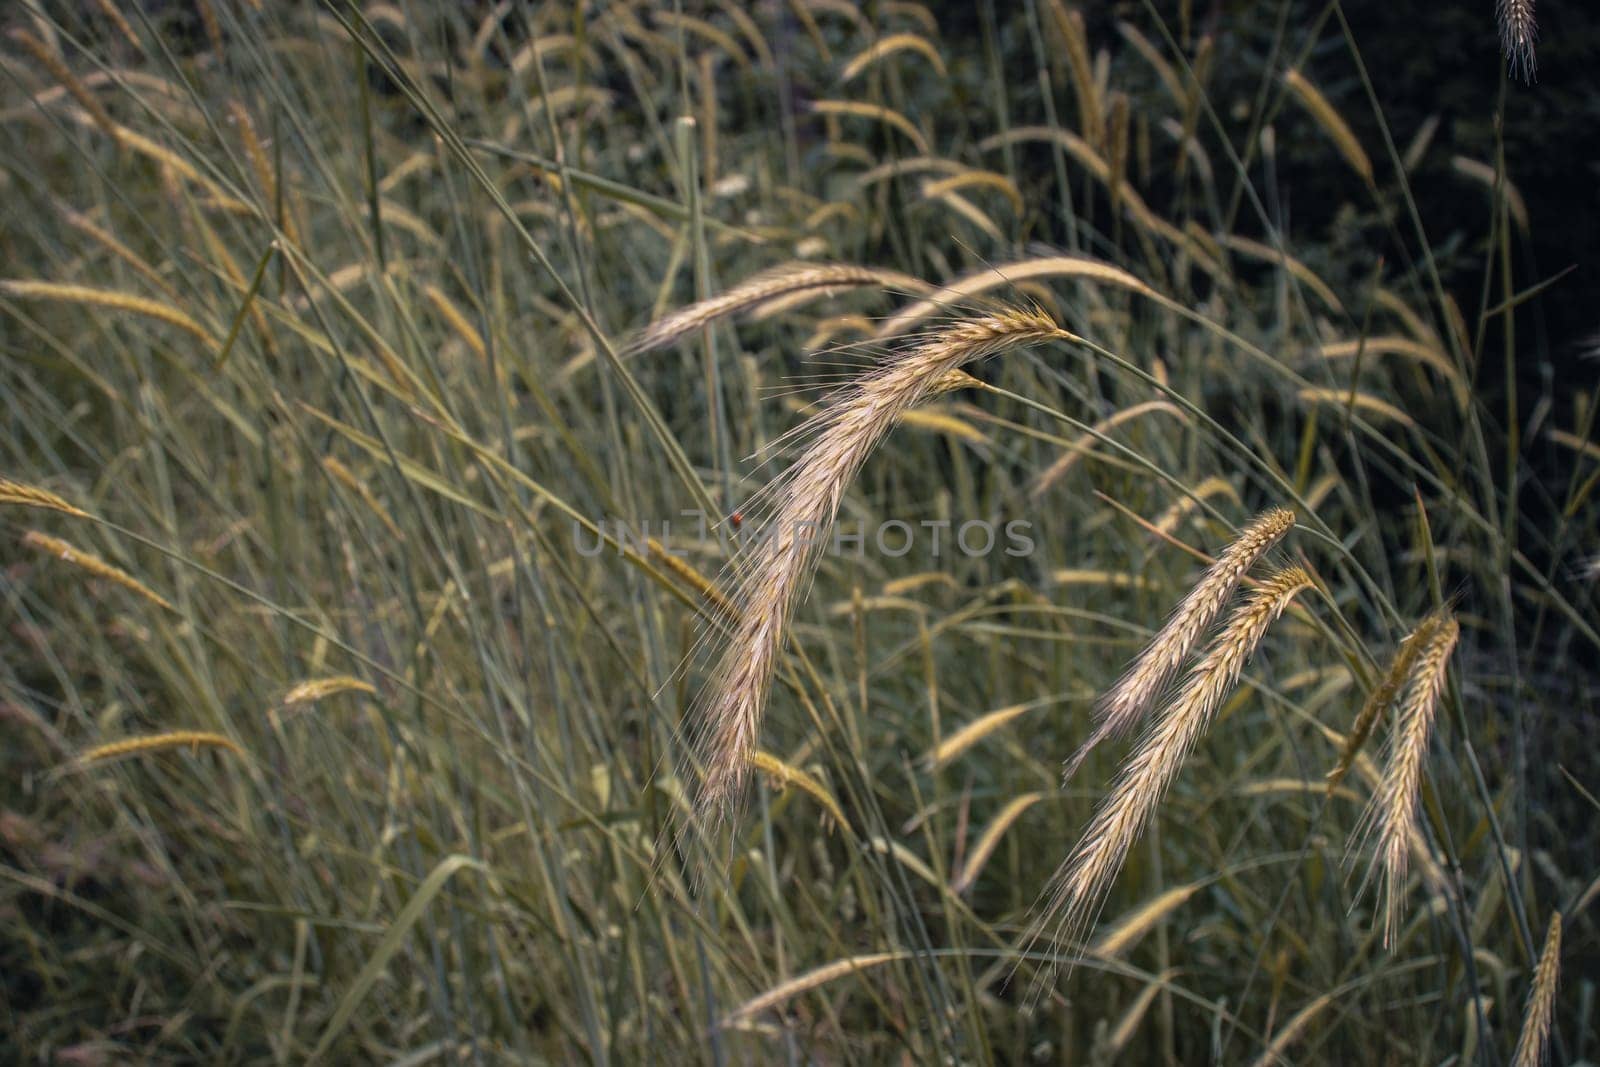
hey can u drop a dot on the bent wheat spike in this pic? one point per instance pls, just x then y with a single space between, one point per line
1338 131
1079 885
157 742
93 565
805 501
887 46
1126 701
1533 1047
315 689
106 298
1393 810
768 285
30 496
1382 696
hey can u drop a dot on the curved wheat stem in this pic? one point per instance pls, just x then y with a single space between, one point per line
805 501
1126 701
1079 885
1393 808
1534 1045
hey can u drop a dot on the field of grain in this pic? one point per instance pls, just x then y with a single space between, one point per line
793 532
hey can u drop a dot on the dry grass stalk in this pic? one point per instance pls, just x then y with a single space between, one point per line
810 980
1518 34
62 73
132 746
689 574
315 689
1079 885
93 565
346 477
1393 809
1128 930
1126 701
110 243
1117 148
29 496
106 298
1348 398
1492 180
962 290
457 320
1383 695
975 731
768 285
108 8
785 775
1332 123
1186 505
887 46
1533 1047
1075 43
1291 1031
1059 469
989 840
863 110
805 500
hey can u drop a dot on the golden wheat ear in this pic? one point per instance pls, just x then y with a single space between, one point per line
1382 695
804 501
1533 1047
1519 32
1126 702
1393 810
1079 885
779 283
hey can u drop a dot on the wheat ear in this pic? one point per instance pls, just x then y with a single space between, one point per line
1080 884
1392 811
1533 1046
1382 695
768 285
31 496
1518 33
805 500
1126 701
93 565
132 746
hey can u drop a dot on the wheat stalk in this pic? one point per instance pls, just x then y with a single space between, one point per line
112 299
1126 701
768 285
1393 809
315 689
156 742
1518 34
1332 123
805 500
1533 1046
117 19
69 81
93 565
1079 885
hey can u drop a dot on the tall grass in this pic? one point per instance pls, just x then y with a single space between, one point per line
360 363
